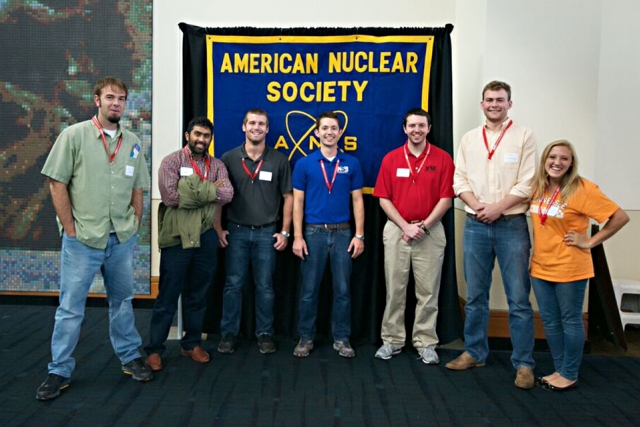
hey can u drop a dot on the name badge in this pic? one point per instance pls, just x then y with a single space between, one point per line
128 170
511 158
135 151
403 173
553 211
265 176
186 171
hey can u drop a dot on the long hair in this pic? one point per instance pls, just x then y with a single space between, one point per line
570 181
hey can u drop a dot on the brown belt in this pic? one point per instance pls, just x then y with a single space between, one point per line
500 218
341 226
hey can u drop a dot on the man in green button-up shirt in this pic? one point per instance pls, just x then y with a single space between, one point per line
97 172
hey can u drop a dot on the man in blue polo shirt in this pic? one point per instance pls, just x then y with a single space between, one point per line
327 180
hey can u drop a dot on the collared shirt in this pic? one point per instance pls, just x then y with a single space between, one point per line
257 202
99 191
320 206
415 200
510 171
177 165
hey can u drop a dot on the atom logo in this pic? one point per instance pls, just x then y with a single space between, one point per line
297 142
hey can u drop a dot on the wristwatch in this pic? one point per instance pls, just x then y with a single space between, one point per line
285 234
424 228
359 236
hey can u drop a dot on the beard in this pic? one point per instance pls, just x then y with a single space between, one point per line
114 119
197 150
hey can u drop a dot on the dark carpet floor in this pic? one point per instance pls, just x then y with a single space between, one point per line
251 389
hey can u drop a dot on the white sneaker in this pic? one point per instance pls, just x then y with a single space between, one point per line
429 356
387 351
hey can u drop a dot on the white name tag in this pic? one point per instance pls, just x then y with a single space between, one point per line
265 176
553 211
403 173
186 171
128 170
511 158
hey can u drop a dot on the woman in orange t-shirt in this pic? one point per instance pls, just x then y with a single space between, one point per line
561 264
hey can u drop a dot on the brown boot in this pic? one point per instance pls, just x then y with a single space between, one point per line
154 362
524 378
198 354
463 362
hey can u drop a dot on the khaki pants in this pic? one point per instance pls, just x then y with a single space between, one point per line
426 257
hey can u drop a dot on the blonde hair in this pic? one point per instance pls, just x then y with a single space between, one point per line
570 181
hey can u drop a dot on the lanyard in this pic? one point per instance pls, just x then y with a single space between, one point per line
248 172
544 212
326 178
104 140
406 157
486 143
207 162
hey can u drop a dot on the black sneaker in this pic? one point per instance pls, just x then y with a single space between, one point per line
266 344
227 344
138 370
51 387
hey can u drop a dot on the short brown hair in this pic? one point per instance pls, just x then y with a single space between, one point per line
256 111
110 81
328 115
416 112
495 86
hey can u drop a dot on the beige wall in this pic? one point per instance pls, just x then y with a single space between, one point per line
573 66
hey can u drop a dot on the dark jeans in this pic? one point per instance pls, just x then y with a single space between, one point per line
255 245
323 245
188 272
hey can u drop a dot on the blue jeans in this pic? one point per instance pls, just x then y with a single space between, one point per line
188 272
560 307
79 265
255 246
326 244
508 240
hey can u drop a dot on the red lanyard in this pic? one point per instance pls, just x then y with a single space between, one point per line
486 143
248 172
544 212
326 178
104 140
207 163
406 157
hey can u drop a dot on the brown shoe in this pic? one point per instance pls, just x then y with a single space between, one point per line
463 362
197 354
154 362
524 378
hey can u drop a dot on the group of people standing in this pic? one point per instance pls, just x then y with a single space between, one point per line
99 206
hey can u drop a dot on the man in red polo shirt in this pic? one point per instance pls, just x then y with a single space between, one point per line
415 190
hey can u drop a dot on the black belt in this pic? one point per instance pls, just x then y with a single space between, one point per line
256 227
500 218
340 226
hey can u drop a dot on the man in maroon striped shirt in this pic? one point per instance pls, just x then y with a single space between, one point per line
193 185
